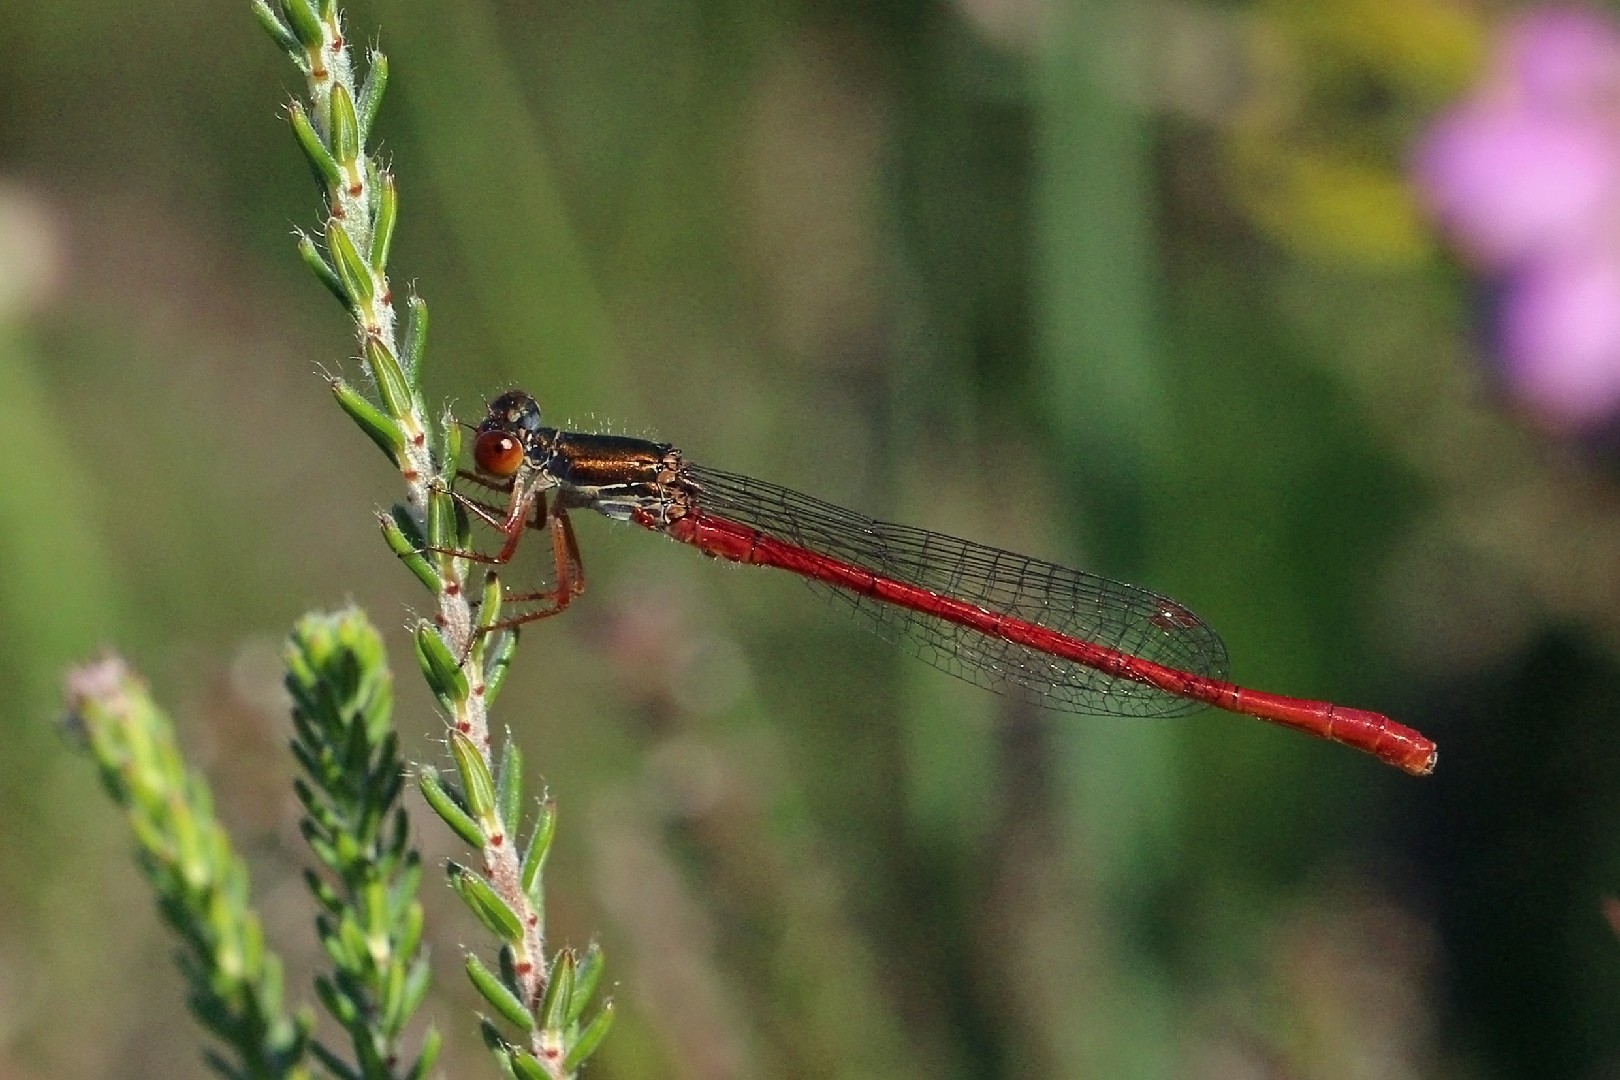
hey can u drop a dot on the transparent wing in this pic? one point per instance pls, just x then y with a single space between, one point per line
1071 602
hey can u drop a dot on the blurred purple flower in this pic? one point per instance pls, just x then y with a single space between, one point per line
1525 176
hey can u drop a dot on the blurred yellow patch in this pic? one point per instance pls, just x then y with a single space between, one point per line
1432 47
1317 150
1326 206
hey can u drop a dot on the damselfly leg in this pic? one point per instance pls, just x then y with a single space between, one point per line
525 509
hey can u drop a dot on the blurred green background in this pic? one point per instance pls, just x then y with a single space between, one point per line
1133 287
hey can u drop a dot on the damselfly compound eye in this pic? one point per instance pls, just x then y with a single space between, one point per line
498 453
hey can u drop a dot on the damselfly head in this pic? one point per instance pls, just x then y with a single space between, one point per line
513 410
507 435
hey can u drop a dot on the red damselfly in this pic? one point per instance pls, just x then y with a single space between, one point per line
1060 638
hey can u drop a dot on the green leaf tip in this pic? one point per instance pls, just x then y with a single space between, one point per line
498 994
559 988
589 1039
499 649
345 128
448 525
305 23
321 162
489 606
371 92
449 809
391 385
379 428
523 1065
320 267
509 782
449 446
440 515
534 860
382 228
278 30
409 554
476 782
432 1043
587 974
439 667
351 268
498 918
415 343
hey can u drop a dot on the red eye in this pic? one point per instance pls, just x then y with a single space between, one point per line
498 453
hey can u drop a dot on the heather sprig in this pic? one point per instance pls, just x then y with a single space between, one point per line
201 883
370 921
462 661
